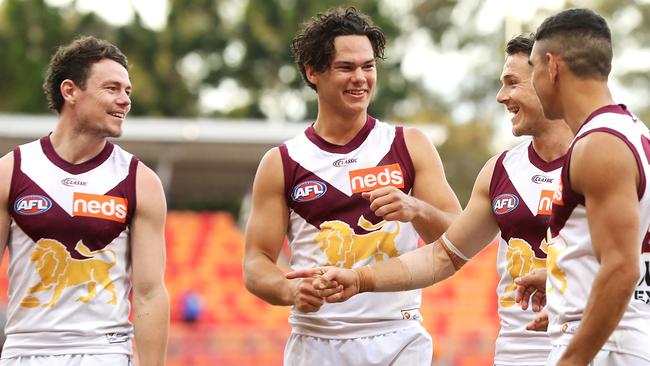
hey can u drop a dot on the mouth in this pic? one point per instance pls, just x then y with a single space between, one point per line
514 110
356 92
118 115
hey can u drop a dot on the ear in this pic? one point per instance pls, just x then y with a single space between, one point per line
68 91
311 74
553 66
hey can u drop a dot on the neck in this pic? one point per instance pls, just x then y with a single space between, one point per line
339 129
583 97
73 146
554 142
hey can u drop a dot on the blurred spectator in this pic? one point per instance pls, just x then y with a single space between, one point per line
192 306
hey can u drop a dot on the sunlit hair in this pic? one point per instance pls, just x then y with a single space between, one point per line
74 61
582 39
522 43
314 44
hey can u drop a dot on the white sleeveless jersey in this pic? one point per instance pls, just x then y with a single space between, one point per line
521 192
332 225
572 265
68 246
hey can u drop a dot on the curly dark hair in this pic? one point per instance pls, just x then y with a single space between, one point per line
74 61
522 43
314 44
582 38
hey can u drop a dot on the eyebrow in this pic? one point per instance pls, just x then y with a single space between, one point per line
344 62
508 76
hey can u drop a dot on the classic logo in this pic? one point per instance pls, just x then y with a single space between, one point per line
71 182
545 205
363 180
99 206
344 161
505 203
308 191
538 179
32 205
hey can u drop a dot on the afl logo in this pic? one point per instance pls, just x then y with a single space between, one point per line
308 191
505 203
32 205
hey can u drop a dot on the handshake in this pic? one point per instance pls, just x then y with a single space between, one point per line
315 286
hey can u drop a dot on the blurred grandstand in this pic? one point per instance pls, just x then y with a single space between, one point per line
207 164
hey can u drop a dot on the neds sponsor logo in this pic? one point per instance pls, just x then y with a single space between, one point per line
99 206
363 180
33 204
308 191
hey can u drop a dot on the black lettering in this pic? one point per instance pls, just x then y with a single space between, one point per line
642 296
646 277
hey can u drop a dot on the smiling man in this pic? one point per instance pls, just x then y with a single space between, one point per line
81 217
600 223
512 195
351 190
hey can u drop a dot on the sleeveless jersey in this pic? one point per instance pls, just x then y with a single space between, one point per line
572 265
69 252
521 192
331 224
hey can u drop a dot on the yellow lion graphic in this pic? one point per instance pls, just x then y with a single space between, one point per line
344 248
554 249
57 269
521 260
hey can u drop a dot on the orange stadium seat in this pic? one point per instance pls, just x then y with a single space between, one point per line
204 255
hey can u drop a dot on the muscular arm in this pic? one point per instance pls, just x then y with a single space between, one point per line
474 229
6 171
150 298
613 215
436 203
265 234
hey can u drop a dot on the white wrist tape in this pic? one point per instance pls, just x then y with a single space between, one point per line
451 247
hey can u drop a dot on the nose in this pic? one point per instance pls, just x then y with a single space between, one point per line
124 99
502 95
358 75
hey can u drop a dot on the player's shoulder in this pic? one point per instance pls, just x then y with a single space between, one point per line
7 163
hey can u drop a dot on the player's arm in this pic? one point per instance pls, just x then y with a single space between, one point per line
265 234
150 298
473 230
613 215
6 171
433 205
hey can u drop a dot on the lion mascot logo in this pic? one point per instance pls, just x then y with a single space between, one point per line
59 271
344 248
521 261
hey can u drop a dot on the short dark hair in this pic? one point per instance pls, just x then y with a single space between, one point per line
522 43
74 61
314 44
582 39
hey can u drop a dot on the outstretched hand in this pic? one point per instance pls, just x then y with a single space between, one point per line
540 323
331 283
531 289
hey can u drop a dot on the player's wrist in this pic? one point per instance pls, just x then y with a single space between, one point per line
365 279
